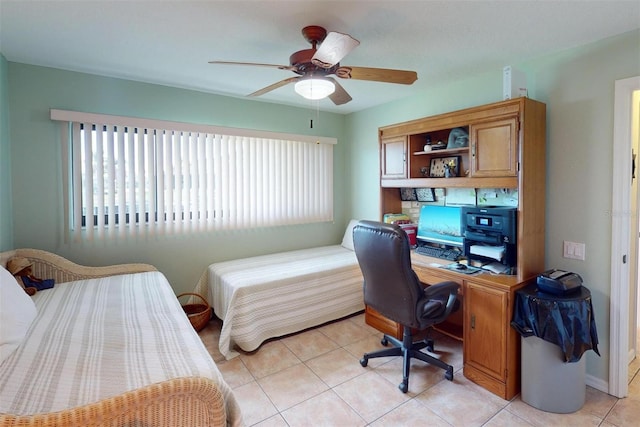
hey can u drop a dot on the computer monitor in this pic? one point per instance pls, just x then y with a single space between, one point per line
440 225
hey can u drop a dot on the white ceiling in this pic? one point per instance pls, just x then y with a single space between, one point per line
170 42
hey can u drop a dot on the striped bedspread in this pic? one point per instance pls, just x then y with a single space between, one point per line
273 295
94 339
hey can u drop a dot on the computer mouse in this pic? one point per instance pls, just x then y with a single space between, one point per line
461 267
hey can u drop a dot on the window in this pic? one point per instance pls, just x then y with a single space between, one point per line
127 176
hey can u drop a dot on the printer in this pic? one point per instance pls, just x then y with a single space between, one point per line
490 234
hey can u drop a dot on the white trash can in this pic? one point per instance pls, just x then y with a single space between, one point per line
548 382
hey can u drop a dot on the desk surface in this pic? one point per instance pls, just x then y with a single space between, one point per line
434 265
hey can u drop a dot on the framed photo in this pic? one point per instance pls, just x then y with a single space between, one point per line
425 195
439 166
408 195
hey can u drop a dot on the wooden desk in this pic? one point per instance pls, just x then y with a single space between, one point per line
491 347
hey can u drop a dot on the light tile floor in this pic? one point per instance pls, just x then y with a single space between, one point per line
314 378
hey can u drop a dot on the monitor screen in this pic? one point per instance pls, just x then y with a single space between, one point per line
440 224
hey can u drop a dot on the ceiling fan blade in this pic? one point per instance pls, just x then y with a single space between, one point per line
281 67
274 86
339 96
377 74
333 48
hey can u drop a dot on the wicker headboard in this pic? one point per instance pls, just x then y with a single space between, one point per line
47 265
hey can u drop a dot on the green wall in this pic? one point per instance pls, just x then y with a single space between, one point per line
37 172
577 86
6 215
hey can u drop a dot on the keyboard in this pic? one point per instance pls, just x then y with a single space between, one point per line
448 254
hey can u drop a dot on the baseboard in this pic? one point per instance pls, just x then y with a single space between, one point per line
597 383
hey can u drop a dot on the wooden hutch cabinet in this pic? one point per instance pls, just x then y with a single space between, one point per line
506 150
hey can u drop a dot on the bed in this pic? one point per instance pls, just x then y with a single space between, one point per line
269 296
109 346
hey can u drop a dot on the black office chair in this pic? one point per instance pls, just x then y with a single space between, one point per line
392 288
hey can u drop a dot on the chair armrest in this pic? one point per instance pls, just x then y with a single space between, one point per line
440 289
443 291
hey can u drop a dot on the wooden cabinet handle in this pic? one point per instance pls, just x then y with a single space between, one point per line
473 321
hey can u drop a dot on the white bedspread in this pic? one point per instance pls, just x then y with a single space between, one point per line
273 295
94 339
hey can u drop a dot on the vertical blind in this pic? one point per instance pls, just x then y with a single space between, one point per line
127 177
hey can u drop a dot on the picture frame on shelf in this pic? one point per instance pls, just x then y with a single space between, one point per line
425 194
408 194
440 165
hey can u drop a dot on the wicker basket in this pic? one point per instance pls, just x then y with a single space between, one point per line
198 314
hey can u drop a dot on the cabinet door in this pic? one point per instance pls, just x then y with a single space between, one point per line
494 148
393 158
485 338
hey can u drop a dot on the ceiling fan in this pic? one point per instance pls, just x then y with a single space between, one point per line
315 65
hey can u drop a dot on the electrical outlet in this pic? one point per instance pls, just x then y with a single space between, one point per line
573 250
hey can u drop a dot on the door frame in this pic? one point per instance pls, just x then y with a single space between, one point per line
620 238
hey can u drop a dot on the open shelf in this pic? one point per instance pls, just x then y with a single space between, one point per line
442 153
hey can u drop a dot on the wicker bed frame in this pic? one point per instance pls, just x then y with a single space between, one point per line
52 266
177 402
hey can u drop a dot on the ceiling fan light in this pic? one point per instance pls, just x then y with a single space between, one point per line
314 88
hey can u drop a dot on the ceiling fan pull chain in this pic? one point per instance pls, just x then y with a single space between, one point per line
317 113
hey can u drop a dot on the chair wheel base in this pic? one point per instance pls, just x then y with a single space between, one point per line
384 341
364 362
404 387
449 374
429 345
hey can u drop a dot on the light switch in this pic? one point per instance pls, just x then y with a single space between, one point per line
573 250
579 251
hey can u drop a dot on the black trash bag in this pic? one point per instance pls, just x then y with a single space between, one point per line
566 321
